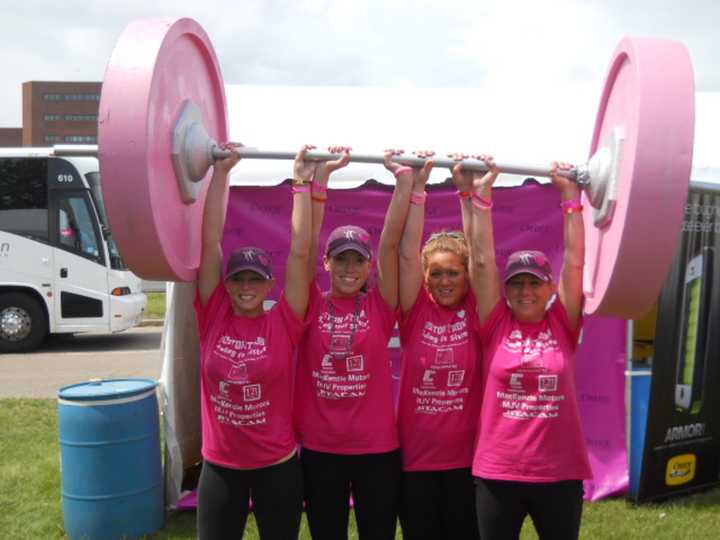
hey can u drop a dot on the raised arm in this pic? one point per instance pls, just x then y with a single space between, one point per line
464 184
210 271
410 263
322 172
570 289
484 274
297 269
395 217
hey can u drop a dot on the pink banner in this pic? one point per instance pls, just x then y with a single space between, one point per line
526 217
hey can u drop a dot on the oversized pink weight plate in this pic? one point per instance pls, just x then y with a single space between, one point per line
157 64
649 95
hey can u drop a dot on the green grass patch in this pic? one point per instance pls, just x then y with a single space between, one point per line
155 305
31 501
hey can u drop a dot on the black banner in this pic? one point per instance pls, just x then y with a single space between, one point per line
682 442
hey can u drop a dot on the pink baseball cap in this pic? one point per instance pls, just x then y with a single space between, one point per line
528 262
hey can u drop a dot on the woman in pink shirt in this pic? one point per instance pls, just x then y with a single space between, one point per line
530 456
440 389
344 407
246 369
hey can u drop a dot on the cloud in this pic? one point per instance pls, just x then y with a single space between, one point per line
519 45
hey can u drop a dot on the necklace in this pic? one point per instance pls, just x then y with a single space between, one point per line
341 345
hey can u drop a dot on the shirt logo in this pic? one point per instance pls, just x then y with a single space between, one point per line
355 363
444 357
547 383
429 377
238 372
251 392
516 381
455 378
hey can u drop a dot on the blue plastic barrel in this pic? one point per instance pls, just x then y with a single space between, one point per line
110 455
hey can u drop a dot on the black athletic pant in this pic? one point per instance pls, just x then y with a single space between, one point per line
555 508
437 505
223 500
373 479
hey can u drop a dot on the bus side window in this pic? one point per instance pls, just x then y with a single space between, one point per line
24 197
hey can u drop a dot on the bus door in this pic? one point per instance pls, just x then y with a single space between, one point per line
80 270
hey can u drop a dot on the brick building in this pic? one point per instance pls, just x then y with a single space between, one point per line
56 112
11 137
60 112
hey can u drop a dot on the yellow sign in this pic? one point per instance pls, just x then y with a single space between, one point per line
680 469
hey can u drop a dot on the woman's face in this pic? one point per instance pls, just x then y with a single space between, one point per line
248 290
349 271
446 278
528 296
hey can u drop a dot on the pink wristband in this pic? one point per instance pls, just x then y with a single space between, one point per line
319 188
418 198
480 203
401 170
300 189
571 204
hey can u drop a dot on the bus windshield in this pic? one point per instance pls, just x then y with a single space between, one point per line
116 261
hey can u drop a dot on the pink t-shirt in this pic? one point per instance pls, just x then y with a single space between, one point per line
529 424
246 382
441 385
343 398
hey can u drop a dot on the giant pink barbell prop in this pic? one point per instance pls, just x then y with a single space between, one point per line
163 109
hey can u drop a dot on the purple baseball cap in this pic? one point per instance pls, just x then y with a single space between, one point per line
346 238
528 262
249 258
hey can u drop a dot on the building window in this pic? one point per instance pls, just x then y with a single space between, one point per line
52 117
52 138
71 97
80 139
81 97
80 117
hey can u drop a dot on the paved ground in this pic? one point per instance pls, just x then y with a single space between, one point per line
68 360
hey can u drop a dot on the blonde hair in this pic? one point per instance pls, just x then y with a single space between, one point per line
445 242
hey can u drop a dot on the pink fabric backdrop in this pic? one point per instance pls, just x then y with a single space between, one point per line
523 217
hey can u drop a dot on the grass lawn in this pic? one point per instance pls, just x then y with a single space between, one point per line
32 506
155 305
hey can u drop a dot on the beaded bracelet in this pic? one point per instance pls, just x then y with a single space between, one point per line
464 194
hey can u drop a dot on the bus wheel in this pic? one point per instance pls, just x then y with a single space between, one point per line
23 323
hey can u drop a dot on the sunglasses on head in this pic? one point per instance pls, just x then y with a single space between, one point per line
457 235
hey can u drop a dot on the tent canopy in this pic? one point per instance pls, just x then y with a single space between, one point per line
532 125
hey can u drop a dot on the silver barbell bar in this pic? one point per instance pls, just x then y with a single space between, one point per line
470 164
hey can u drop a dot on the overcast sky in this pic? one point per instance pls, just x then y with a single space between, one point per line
397 43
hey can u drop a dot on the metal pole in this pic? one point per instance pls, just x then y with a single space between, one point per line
446 163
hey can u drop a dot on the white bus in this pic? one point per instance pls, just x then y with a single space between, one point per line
60 270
